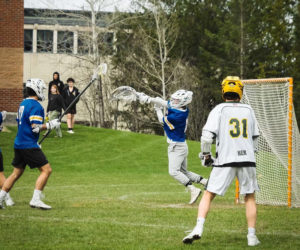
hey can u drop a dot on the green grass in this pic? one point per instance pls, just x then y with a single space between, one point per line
111 190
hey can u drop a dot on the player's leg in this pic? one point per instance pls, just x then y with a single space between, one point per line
36 201
248 186
45 172
203 210
176 155
35 158
195 192
219 181
196 178
8 200
8 184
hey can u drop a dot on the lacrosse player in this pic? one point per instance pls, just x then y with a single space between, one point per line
175 124
8 199
235 127
27 151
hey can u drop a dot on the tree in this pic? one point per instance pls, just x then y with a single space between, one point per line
95 46
145 58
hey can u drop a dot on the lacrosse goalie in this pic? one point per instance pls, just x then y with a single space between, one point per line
236 130
175 124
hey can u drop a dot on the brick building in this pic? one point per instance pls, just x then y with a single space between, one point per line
11 53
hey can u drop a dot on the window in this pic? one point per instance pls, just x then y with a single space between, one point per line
65 42
28 40
44 41
84 43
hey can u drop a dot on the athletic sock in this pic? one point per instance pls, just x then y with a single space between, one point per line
69 128
200 221
251 231
8 196
2 194
36 194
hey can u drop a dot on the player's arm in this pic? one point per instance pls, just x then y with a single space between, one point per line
37 128
159 113
157 101
36 119
205 154
256 133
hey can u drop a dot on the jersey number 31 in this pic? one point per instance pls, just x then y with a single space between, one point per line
238 126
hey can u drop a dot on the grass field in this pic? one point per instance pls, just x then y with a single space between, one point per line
111 190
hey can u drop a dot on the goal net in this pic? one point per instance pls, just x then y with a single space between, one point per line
278 157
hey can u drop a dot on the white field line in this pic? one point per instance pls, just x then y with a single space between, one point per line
113 222
94 185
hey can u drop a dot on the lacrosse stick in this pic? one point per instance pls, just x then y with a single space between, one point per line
98 72
124 93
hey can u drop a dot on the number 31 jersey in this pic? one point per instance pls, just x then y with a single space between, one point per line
234 125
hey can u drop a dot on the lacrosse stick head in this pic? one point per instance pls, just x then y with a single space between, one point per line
100 70
124 93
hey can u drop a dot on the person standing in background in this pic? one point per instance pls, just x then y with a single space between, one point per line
56 81
55 105
69 94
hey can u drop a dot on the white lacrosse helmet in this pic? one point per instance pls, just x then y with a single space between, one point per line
181 98
38 86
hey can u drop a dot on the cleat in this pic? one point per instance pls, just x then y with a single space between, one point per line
203 182
39 204
252 240
195 193
9 201
70 131
194 235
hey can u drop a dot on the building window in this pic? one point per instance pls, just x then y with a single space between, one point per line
84 43
65 42
44 41
28 40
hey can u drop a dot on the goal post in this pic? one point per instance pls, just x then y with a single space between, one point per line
278 157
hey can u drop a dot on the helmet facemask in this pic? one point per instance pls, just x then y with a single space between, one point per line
181 98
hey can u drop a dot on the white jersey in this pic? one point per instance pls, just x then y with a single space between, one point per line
234 125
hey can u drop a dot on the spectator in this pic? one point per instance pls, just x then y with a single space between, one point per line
55 105
56 81
69 94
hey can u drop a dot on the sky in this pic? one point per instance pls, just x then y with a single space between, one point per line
106 5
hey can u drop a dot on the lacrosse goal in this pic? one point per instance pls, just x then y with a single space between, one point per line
278 157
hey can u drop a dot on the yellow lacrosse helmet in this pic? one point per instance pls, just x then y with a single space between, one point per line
232 84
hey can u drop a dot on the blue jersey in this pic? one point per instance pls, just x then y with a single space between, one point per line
30 112
175 124
1 120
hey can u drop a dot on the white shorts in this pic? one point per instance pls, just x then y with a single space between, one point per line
221 178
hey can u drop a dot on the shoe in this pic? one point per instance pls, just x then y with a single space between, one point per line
70 131
194 235
252 240
195 193
203 182
9 201
39 204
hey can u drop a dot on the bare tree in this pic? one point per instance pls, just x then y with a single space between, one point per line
145 58
93 34
156 44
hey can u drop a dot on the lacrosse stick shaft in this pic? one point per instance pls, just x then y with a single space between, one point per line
68 108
